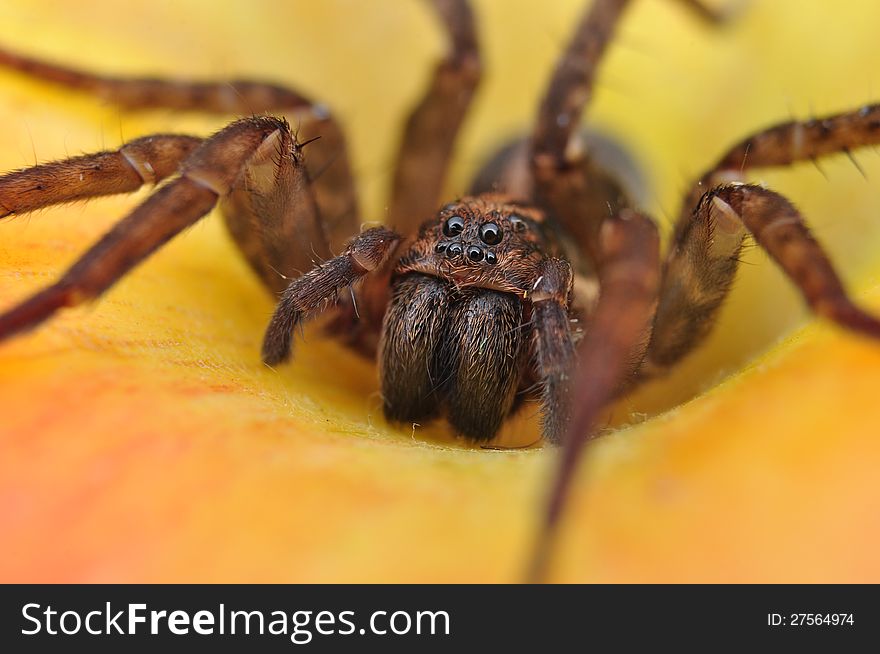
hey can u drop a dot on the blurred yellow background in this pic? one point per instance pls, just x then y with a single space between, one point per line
143 440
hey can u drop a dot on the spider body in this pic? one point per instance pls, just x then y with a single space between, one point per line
458 331
470 308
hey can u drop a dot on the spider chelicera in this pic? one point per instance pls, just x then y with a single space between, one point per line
545 281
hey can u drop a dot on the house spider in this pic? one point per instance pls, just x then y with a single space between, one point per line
469 309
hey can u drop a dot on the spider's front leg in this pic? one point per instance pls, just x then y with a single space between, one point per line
611 352
147 160
332 181
215 169
717 216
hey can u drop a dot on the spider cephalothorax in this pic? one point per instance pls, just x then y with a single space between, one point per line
487 241
471 309
458 331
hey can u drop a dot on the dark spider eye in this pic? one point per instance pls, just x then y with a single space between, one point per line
519 225
453 250
490 234
474 253
491 258
454 225
440 247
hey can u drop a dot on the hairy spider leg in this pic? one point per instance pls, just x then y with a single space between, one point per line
328 164
716 218
621 245
579 195
426 146
421 163
147 160
609 355
429 135
208 173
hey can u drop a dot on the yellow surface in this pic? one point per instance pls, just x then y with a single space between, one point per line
142 440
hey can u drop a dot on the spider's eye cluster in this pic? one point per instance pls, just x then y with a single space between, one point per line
490 234
453 226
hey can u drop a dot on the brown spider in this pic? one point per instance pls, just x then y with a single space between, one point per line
469 309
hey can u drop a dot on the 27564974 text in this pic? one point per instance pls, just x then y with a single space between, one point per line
810 619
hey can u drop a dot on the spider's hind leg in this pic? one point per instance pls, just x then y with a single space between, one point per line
566 180
583 180
429 136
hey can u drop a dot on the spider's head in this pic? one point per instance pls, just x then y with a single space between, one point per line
485 230
486 240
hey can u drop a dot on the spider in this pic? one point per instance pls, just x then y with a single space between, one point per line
545 281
